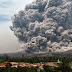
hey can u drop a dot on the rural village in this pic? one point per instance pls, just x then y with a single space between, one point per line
22 64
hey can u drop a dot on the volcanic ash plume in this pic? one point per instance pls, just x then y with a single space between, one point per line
44 26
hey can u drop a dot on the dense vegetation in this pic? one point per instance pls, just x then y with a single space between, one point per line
35 59
65 66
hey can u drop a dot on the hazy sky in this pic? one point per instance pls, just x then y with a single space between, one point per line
8 42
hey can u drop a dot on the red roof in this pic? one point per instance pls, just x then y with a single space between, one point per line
6 62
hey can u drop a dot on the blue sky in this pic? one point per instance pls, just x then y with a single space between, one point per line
8 42
9 7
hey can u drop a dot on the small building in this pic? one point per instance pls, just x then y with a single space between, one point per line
58 61
6 63
14 65
2 65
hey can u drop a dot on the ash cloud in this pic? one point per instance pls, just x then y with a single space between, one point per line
44 26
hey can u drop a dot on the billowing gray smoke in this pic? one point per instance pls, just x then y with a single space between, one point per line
44 26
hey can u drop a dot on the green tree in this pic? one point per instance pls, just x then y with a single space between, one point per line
13 69
64 66
8 67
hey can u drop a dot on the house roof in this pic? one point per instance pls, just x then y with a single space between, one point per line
6 62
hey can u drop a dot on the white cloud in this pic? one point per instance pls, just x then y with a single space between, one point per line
10 7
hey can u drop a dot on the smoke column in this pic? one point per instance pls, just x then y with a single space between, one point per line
44 26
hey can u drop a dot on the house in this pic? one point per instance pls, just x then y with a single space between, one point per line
2 65
15 65
5 64
42 63
51 64
22 64
35 65
58 61
27 65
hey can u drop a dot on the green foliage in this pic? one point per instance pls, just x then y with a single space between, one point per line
49 69
59 71
13 69
63 67
2 60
